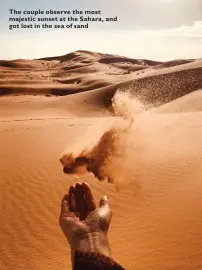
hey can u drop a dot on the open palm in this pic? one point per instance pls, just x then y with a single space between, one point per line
80 220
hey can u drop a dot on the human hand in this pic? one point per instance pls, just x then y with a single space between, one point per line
85 225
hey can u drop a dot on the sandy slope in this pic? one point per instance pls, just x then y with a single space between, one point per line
82 71
187 103
157 221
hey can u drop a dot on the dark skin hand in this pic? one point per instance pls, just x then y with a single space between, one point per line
83 223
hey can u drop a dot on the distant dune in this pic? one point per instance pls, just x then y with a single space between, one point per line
154 83
87 116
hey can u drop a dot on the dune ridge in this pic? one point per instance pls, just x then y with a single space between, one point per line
84 71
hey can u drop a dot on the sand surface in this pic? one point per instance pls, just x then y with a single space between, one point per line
156 109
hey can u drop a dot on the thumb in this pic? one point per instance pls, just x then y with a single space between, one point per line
105 212
104 201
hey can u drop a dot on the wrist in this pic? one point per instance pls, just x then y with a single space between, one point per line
96 242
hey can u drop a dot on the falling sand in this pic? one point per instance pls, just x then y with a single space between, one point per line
104 152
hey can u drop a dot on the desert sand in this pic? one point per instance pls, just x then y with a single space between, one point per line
140 121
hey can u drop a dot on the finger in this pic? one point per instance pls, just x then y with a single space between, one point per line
90 200
80 202
71 190
64 206
65 198
72 199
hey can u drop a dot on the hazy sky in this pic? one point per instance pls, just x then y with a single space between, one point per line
154 29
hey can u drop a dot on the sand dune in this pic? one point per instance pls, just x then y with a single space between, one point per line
154 83
188 103
139 129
